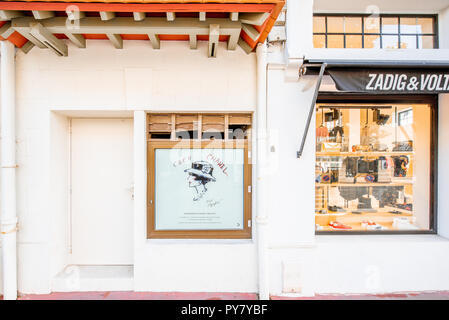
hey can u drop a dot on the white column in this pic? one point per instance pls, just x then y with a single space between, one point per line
443 19
299 27
140 191
8 217
261 168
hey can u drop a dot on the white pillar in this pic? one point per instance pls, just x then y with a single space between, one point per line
8 217
299 27
140 195
443 19
261 173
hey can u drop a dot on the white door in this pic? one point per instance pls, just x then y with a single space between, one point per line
102 190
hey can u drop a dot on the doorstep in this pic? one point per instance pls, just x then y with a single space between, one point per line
76 278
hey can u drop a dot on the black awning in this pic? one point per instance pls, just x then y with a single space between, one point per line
383 77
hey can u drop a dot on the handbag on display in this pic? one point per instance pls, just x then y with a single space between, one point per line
330 147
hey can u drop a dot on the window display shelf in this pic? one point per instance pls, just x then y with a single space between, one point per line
394 183
364 154
378 214
382 218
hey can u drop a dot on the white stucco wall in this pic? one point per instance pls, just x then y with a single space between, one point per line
98 80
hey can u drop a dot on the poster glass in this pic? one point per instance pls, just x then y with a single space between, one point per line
199 189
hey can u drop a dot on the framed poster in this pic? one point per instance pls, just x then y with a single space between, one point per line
198 191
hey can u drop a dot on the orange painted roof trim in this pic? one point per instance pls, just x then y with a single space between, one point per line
157 1
136 7
272 6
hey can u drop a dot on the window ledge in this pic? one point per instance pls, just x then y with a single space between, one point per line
378 238
200 241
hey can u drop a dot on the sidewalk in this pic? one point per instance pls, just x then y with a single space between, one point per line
129 295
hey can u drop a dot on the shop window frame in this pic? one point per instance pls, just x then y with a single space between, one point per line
399 117
435 33
432 101
197 141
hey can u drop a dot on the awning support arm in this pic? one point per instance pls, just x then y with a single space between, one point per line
312 107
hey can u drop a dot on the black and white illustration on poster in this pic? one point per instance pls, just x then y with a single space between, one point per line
199 189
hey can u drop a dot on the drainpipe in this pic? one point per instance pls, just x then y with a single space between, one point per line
8 217
261 167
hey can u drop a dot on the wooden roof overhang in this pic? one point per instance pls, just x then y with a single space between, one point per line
45 23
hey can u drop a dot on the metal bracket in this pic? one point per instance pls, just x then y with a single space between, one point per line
312 107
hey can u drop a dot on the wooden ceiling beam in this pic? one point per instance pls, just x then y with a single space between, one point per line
154 39
27 47
77 39
214 35
48 39
256 19
116 40
107 15
6 30
251 31
139 16
171 16
41 15
193 41
6 15
127 25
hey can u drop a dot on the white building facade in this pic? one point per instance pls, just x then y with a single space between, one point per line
83 181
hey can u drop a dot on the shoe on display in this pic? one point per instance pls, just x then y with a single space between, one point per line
336 209
339 226
371 225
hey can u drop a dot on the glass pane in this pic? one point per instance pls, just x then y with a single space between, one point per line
335 24
426 42
353 25
425 25
408 25
372 42
208 186
319 41
319 24
372 24
372 169
390 25
408 42
335 41
390 42
353 41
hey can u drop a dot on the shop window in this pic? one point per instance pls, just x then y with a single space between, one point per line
374 167
405 117
199 176
375 32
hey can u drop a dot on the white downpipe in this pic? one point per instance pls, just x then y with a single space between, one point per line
261 168
8 217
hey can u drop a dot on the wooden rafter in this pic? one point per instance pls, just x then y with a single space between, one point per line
127 25
257 16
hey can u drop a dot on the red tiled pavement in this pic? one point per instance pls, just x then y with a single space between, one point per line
129 295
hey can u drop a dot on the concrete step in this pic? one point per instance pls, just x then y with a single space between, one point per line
94 278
